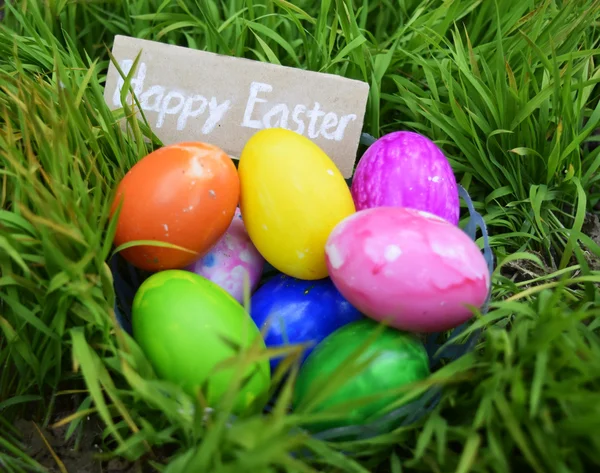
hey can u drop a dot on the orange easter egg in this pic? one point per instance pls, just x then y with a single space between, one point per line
184 194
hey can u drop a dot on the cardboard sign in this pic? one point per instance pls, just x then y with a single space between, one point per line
191 95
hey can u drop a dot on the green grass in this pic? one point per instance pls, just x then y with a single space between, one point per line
508 88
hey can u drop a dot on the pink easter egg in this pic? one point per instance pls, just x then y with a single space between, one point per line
231 260
406 169
409 268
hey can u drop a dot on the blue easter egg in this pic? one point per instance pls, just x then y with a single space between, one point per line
299 311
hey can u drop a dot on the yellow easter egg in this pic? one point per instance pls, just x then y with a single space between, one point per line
292 195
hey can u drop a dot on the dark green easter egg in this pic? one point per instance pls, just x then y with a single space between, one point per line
397 359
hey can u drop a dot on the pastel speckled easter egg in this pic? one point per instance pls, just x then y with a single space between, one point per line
410 268
232 261
406 169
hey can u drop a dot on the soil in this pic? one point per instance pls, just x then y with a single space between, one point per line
80 460
591 227
525 270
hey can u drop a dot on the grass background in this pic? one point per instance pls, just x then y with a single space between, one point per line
509 90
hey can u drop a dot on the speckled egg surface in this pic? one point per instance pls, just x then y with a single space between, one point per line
232 261
406 169
410 268
184 194
294 311
292 195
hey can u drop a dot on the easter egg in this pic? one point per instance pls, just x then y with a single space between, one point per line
183 194
292 195
297 311
415 270
392 360
232 261
406 169
186 325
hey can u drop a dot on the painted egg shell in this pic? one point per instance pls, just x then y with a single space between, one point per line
183 194
297 311
397 359
232 261
410 268
179 320
292 195
406 169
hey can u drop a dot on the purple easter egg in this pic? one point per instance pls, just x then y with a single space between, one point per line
232 261
406 169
